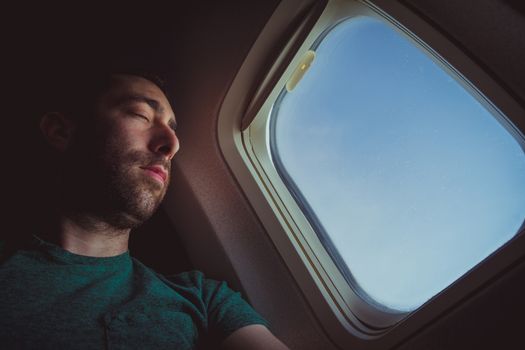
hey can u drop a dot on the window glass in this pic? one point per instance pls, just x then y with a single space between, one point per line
407 178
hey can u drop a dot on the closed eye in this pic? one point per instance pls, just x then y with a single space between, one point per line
141 116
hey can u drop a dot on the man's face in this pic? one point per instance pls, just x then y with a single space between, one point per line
125 153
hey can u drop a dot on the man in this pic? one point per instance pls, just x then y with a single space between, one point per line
74 285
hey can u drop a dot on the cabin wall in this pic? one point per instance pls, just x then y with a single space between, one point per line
217 206
217 225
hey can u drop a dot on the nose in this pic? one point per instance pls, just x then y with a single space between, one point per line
165 141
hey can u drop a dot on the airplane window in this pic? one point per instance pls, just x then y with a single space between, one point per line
408 179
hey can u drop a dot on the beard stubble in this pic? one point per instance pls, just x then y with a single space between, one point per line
107 182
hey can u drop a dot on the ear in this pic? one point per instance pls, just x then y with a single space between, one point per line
57 129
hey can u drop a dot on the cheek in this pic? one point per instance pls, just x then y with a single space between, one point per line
118 136
126 139
125 151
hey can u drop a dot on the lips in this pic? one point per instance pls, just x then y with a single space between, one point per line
157 172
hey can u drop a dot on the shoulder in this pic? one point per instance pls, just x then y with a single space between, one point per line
227 311
189 278
216 296
223 308
197 282
191 284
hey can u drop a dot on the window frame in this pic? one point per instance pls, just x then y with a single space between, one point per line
337 307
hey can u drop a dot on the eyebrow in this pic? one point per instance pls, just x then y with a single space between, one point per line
154 104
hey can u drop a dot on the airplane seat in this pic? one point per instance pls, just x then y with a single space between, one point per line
158 246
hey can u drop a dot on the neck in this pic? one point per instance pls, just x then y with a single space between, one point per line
89 236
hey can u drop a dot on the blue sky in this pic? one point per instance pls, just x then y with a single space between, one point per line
413 179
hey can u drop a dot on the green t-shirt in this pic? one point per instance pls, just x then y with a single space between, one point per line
53 299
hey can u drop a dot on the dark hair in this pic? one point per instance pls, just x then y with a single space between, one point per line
75 93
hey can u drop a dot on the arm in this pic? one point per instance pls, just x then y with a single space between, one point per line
253 337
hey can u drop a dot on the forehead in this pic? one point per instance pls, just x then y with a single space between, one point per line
123 87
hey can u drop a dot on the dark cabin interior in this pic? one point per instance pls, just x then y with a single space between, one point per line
199 47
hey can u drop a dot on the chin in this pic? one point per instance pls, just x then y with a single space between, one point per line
134 201
130 217
140 208
125 221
